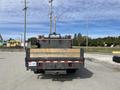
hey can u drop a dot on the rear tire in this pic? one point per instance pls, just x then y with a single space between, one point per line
38 71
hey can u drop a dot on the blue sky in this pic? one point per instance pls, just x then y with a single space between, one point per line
73 16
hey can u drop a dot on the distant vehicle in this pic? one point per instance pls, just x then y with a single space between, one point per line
13 43
116 57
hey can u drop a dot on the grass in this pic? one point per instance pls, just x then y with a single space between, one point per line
87 49
99 49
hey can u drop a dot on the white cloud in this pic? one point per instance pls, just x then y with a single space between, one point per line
11 10
68 12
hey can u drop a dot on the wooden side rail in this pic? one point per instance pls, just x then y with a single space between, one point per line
55 53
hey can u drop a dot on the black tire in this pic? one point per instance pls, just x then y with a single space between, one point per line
38 71
35 72
116 59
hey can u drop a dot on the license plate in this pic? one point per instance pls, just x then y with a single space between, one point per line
32 64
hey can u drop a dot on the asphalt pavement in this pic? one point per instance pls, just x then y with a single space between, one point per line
95 76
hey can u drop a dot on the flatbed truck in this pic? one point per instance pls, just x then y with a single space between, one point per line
54 55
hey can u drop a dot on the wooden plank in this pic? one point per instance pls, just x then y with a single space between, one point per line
55 55
55 50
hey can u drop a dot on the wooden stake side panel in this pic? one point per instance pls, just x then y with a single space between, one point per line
54 53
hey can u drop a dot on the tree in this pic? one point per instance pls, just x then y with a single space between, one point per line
75 42
10 39
33 40
81 40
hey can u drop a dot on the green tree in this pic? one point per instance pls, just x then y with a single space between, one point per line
33 40
75 42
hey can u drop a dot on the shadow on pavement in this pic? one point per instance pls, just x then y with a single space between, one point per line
83 73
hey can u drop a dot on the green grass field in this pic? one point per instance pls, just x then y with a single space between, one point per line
86 49
99 49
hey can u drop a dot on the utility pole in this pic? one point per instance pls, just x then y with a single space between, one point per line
87 27
25 22
51 12
21 37
1 37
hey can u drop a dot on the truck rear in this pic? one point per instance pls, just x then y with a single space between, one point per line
54 55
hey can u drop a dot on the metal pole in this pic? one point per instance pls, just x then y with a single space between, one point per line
50 1
1 37
21 37
25 21
87 27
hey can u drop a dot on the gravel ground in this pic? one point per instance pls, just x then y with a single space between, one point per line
97 75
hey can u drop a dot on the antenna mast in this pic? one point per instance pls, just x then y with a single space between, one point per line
51 12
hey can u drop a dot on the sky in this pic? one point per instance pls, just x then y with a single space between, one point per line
95 18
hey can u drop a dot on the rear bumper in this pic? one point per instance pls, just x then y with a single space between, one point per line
54 65
49 66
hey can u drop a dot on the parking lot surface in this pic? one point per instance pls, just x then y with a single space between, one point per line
95 76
